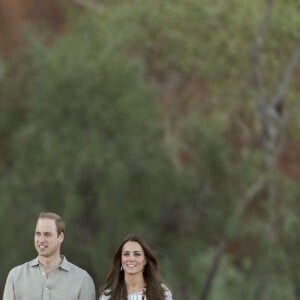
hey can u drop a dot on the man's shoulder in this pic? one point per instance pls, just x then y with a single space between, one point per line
71 267
22 267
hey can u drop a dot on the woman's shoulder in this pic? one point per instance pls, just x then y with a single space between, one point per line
167 292
105 295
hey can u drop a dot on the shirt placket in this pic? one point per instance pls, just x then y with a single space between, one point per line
46 284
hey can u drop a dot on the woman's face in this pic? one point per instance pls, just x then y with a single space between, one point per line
133 258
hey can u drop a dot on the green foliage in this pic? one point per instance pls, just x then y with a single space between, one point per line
82 133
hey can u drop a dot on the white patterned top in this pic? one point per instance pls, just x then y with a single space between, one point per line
138 295
135 296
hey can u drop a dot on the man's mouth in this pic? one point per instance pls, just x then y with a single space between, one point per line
42 247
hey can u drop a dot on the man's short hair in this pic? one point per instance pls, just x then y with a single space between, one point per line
60 223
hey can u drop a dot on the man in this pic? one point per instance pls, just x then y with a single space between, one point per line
49 276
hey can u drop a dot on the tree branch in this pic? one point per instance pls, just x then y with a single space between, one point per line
278 97
255 54
213 270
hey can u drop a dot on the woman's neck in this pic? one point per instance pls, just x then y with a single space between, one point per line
134 284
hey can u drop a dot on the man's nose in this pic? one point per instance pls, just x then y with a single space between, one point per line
41 238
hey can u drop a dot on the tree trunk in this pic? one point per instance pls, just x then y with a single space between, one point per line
213 271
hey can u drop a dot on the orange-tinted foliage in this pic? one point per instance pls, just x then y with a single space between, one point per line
15 14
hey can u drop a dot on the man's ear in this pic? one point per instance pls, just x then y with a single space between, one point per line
61 237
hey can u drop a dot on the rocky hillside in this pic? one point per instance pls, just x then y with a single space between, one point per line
15 15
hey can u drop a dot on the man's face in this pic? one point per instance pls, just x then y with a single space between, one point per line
46 239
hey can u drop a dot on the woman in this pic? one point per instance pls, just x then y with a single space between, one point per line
133 274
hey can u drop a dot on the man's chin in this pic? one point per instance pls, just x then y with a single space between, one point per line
43 253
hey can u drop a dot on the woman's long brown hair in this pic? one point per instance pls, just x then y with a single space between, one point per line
115 286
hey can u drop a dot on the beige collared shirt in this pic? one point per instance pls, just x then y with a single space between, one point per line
30 282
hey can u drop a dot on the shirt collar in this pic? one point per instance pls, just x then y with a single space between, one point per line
34 262
65 265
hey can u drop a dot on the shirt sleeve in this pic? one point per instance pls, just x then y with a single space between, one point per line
88 291
9 293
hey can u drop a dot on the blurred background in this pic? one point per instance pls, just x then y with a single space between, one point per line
177 120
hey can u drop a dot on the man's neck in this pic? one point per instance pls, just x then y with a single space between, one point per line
50 263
